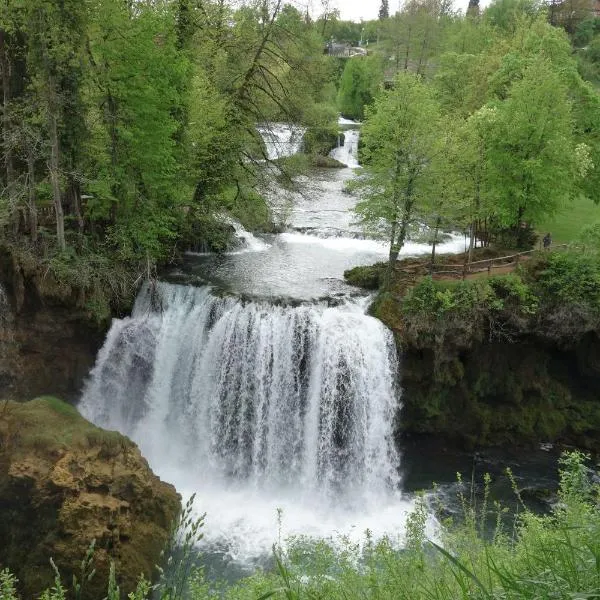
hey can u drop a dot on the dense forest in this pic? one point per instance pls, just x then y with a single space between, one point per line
130 128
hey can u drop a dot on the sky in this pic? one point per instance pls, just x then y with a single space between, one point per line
355 10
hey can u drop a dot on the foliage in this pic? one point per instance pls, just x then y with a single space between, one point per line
8 585
589 237
133 123
358 86
400 139
571 278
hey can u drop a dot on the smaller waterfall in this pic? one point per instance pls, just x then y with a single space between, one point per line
281 139
249 242
348 152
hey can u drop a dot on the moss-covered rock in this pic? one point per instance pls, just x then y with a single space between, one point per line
322 140
64 483
326 162
368 277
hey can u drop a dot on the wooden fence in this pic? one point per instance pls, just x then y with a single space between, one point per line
488 264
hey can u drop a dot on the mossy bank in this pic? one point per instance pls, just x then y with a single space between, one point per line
53 322
512 359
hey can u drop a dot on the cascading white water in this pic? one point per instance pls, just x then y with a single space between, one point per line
249 242
281 139
294 403
347 153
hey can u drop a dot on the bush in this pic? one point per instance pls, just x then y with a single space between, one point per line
571 278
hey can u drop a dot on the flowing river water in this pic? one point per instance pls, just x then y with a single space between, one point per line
256 380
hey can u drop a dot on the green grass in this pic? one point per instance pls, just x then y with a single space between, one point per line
566 225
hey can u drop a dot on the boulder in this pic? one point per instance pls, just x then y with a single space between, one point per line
64 483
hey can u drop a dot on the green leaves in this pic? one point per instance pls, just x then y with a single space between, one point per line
358 86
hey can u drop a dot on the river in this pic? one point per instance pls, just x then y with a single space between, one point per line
256 380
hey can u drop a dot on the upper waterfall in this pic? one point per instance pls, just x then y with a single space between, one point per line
347 153
281 139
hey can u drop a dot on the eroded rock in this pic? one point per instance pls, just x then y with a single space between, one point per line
64 483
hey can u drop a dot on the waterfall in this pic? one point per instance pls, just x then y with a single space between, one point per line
252 396
348 152
274 395
281 139
247 240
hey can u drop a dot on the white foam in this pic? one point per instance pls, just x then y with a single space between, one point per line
351 245
281 139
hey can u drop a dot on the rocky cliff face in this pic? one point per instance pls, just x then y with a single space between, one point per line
64 483
48 343
531 382
501 393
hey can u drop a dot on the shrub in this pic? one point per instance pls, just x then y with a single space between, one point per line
572 278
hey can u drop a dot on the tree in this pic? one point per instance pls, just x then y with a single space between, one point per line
536 163
359 83
384 10
401 137
473 8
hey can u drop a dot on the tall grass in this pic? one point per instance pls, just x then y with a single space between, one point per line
539 557
553 556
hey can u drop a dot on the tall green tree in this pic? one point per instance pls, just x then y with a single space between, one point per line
401 137
359 84
535 161
384 10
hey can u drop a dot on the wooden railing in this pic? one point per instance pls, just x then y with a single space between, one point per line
487 264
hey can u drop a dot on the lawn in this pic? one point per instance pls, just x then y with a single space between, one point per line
566 224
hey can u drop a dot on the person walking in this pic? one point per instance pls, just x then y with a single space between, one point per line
547 241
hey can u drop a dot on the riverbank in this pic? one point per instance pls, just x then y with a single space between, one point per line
510 359
66 484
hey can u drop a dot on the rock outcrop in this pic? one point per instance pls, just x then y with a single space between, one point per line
64 483
48 340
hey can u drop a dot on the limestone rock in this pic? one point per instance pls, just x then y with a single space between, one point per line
63 483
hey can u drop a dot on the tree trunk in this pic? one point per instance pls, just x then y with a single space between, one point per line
8 153
434 244
76 199
422 54
55 181
471 242
407 49
393 257
398 243
33 215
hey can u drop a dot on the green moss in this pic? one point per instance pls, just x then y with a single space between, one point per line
322 140
368 277
50 424
326 162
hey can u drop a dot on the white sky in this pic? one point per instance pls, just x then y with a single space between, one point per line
355 10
